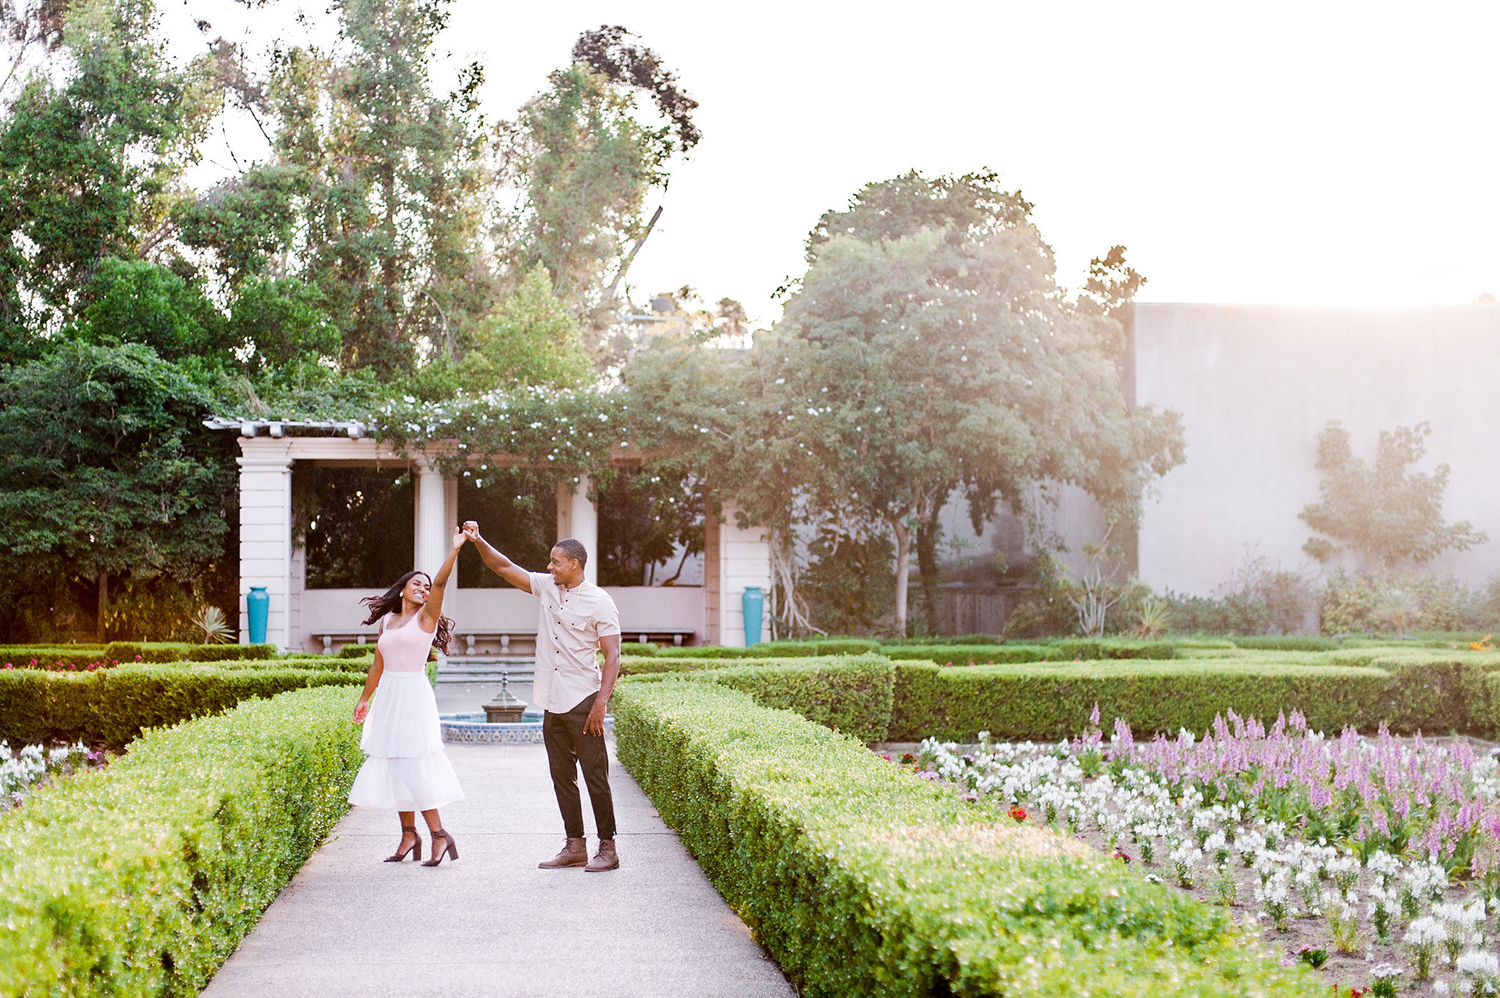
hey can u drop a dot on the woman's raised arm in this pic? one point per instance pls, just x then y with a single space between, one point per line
432 610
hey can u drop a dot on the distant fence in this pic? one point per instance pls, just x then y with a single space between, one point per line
969 609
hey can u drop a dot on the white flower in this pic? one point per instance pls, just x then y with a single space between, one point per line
1474 963
1425 931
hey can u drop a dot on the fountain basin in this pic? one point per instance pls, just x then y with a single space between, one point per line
473 729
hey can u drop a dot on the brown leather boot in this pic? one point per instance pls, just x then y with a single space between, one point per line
605 859
574 853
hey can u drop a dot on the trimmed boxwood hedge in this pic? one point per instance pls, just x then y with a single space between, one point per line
863 880
852 694
1286 642
1049 702
112 706
142 878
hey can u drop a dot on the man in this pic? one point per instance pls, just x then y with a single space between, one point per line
577 618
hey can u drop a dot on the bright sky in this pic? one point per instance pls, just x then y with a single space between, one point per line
1309 152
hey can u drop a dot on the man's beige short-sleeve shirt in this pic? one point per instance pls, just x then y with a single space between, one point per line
567 635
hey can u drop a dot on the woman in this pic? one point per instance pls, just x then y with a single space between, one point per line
407 770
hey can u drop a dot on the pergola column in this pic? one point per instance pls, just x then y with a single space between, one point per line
577 518
266 532
434 521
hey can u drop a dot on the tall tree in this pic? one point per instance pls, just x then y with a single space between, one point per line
376 197
1385 513
91 161
583 162
928 348
107 472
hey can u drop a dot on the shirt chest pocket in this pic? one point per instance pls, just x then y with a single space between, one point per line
573 622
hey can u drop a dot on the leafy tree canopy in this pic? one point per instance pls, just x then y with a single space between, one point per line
532 338
90 164
1384 513
105 472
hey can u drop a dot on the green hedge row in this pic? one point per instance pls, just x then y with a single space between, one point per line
142 878
863 880
1415 690
1287 642
959 652
1048 703
1055 651
852 694
122 652
112 706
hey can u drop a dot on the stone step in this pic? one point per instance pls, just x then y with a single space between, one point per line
485 668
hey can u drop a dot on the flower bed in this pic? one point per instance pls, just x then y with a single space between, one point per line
25 769
1376 858
860 881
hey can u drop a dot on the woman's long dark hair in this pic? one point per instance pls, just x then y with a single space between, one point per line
390 602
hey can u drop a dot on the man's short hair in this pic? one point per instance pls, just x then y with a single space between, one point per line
573 549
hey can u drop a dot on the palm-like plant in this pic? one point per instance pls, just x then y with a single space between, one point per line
1398 609
210 620
1153 617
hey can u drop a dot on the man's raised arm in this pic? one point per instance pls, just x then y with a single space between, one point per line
497 562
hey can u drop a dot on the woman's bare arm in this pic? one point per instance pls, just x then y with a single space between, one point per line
362 705
432 610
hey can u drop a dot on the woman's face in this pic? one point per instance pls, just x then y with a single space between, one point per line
415 590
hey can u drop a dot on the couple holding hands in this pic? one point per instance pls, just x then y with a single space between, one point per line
407 770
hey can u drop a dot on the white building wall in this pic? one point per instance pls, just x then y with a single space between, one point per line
266 532
1255 384
744 560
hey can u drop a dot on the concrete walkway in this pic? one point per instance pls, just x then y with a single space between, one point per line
492 924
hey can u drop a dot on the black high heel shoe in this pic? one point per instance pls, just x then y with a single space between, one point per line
417 845
450 848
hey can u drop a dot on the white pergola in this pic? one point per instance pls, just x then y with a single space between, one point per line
486 619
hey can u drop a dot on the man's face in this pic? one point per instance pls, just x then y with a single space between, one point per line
565 571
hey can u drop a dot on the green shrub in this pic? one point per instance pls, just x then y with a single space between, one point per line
142 878
224 653
1491 683
941 639
649 666
154 651
967 654
714 651
1093 649
643 648
852 694
846 646
357 651
863 880
1287 642
1041 702
112 706
21 657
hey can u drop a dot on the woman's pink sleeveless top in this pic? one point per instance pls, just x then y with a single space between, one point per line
405 648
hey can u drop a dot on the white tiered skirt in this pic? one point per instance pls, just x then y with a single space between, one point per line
407 769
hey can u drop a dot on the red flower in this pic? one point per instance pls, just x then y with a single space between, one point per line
1017 812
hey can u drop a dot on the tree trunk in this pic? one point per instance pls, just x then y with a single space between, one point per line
903 570
927 567
103 602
